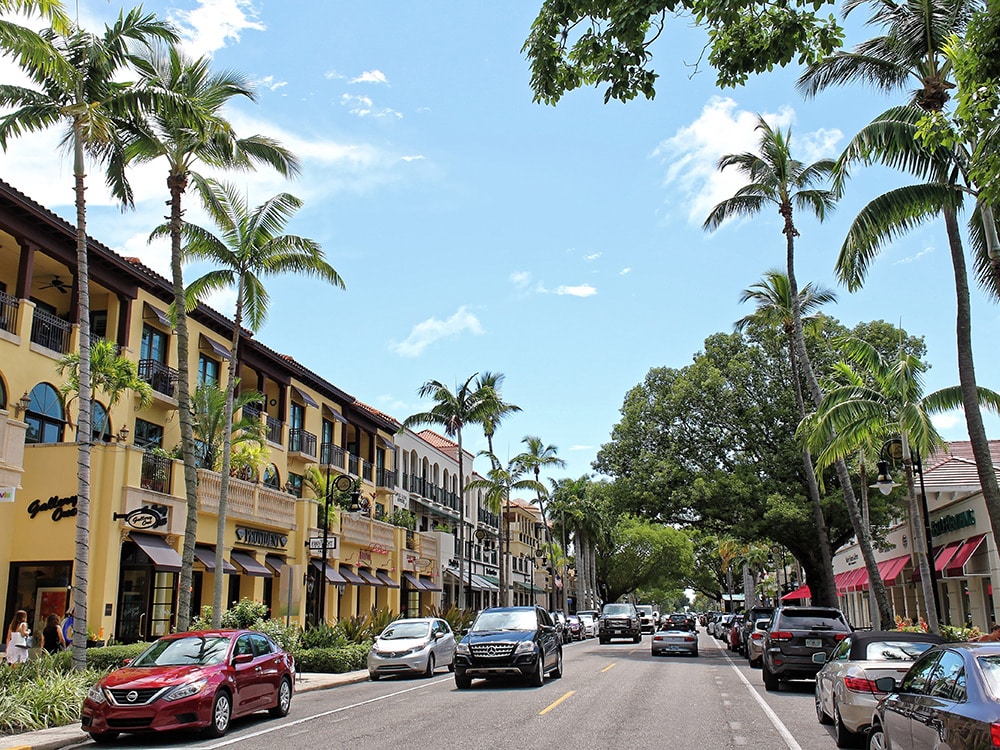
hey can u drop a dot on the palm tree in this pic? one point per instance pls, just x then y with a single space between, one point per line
208 422
775 178
534 458
498 484
250 249
75 76
876 400
774 310
914 47
189 131
489 383
452 411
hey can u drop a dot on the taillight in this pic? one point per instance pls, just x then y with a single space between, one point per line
756 636
781 635
689 639
995 734
841 636
860 685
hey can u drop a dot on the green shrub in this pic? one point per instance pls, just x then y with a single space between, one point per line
323 636
244 614
357 629
289 637
113 657
380 620
349 658
42 693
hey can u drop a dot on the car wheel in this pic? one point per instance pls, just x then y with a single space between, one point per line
821 716
429 671
538 676
374 676
558 671
284 703
451 667
104 738
695 654
637 639
876 738
462 682
603 640
771 682
222 711
844 736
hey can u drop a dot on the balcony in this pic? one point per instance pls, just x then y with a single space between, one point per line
272 429
365 531
332 455
8 313
160 377
156 472
385 478
50 331
300 441
489 519
248 501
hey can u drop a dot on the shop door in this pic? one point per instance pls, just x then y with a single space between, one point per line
133 604
161 615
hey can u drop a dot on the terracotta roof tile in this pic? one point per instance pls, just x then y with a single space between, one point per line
438 441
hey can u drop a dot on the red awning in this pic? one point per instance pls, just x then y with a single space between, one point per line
941 558
802 592
890 569
860 582
840 581
967 550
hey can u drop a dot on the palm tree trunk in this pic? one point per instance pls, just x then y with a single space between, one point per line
876 585
461 522
84 433
931 615
176 184
967 376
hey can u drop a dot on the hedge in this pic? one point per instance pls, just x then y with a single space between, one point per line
349 658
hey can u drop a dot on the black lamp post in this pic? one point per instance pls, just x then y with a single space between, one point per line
343 483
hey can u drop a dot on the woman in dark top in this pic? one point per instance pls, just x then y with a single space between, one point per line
52 637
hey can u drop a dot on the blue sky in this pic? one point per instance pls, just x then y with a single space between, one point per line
478 231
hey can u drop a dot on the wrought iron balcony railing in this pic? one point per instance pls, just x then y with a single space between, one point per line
158 375
50 331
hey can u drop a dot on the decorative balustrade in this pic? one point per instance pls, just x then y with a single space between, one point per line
160 377
50 331
8 312
246 500
366 531
300 441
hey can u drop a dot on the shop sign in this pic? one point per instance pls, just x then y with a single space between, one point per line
261 538
954 522
61 507
147 517
7 494
316 544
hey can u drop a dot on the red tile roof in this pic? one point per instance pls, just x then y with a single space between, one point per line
955 471
438 441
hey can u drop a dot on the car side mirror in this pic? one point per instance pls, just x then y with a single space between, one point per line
126 662
819 658
242 659
438 635
886 684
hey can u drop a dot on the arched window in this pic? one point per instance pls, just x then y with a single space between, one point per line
3 394
44 416
101 423
271 478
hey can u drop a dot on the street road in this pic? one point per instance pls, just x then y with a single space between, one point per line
616 695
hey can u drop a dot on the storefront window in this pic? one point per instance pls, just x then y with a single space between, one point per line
40 589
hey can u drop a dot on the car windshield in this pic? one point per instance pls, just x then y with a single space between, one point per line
990 665
405 630
643 609
895 650
618 609
194 650
521 619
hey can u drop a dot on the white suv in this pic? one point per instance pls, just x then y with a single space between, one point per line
648 624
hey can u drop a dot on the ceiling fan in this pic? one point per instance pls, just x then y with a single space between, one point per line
58 284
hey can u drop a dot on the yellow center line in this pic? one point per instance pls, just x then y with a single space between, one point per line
608 667
553 705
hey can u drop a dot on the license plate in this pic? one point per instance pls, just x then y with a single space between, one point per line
617 630
814 643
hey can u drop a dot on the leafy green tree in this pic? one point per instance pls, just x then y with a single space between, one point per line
642 554
251 247
75 82
534 458
581 514
208 421
468 404
585 42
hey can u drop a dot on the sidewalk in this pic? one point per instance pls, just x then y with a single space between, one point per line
60 737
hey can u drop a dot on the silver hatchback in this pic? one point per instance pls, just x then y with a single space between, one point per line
417 645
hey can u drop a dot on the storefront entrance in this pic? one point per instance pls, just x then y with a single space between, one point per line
40 589
147 597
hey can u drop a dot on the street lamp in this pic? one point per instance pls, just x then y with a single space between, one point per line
343 483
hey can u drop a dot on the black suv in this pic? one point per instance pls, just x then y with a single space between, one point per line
619 621
794 635
679 621
509 642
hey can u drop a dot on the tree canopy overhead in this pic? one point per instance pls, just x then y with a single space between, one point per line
577 43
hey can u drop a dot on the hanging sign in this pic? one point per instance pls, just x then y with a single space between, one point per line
147 517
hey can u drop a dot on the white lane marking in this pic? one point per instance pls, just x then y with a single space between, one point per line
331 712
778 725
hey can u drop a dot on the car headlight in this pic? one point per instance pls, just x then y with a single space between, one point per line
525 647
462 648
96 694
186 690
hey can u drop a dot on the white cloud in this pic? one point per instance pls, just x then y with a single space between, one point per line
592 257
432 330
215 23
333 75
362 106
371 76
624 271
692 153
520 279
269 83
951 421
914 258
582 290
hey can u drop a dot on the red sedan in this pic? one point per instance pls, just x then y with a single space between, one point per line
189 681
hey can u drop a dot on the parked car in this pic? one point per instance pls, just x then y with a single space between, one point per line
734 632
417 645
794 636
196 680
589 620
950 698
751 616
575 626
509 642
646 622
559 619
845 686
669 640
755 641
721 629
619 620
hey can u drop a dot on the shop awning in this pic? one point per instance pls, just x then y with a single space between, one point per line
967 550
250 566
165 558
309 400
941 558
206 556
275 563
369 577
332 576
159 315
802 592
860 580
414 581
479 583
387 579
351 576
528 587
840 581
491 580
846 584
220 349
428 584
890 569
